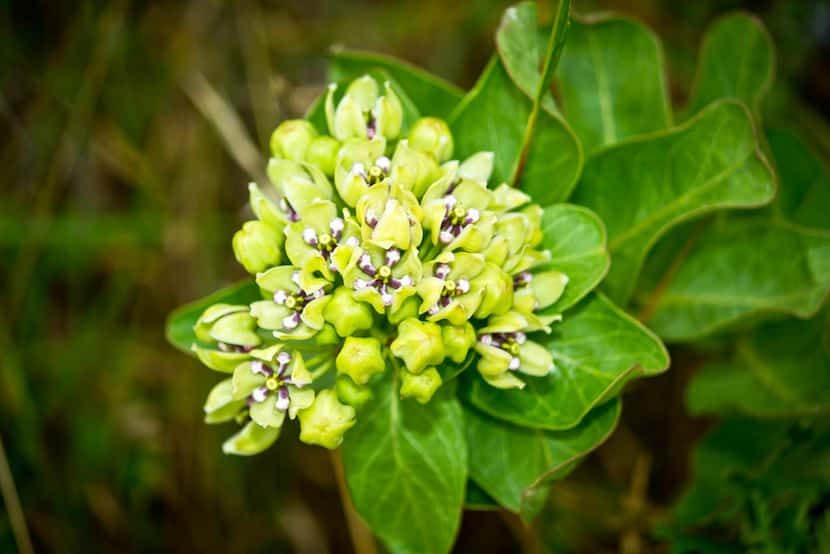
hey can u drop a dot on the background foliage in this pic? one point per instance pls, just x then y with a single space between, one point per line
121 192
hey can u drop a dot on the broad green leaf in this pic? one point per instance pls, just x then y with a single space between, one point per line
406 468
780 369
477 499
575 238
740 269
612 81
645 185
493 117
431 94
736 60
521 45
179 326
804 188
515 465
597 348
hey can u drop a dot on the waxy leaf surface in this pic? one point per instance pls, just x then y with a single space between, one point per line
406 468
515 464
736 60
612 81
644 186
597 348
780 369
493 117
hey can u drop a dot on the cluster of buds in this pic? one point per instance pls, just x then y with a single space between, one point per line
378 256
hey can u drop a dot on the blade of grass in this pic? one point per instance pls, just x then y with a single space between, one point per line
13 507
553 53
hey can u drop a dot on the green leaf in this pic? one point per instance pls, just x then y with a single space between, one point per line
179 326
521 45
477 499
406 468
645 185
575 238
780 369
742 269
612 81
804 190
516 465
736 60
432 95
493 117
597 349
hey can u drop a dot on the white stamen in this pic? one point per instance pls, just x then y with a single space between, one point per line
486 339
309 236
282 402
259 394
358 169
383 163
352 241
387 299
256 366
365 261
520 337
442 271
406 281
283 358
449 201
514 364
336 225
446 237
280 297
473 215
360 284
434 310
296 278
463 286
290 322
393 256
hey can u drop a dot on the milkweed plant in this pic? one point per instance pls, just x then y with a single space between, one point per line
424 261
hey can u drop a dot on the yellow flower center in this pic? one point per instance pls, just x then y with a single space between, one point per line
457 215
291 302
326 241
272 383
385 272
449 286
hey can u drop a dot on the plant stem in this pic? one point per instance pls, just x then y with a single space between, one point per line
361 536
13 507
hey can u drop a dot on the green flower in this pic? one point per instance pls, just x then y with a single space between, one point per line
257 246
251 439
360 165
390 217
419 344
221 405
533 292
446 288
322 153
323 241
420 386
505 349
326 420
496 288
231 330
456 212
297 185
362 113
431 135
291 139
458 339
273 384
360 358
295 310
412 169
384 278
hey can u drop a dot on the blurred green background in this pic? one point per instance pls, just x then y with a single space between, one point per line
119 194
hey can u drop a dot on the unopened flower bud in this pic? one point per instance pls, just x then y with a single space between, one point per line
326 420
477 167
301 184
322 152
347 314
351 393
418 344
362 114
251 439
221 405
458 339
497 287
433 136
291 139
360 358
413 169
422 386
258 246
230 326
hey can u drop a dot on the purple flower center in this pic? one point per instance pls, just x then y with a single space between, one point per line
456 219
276 382
295 301
451 288
381 278
509 342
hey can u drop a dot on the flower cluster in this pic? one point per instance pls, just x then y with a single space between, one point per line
375 252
